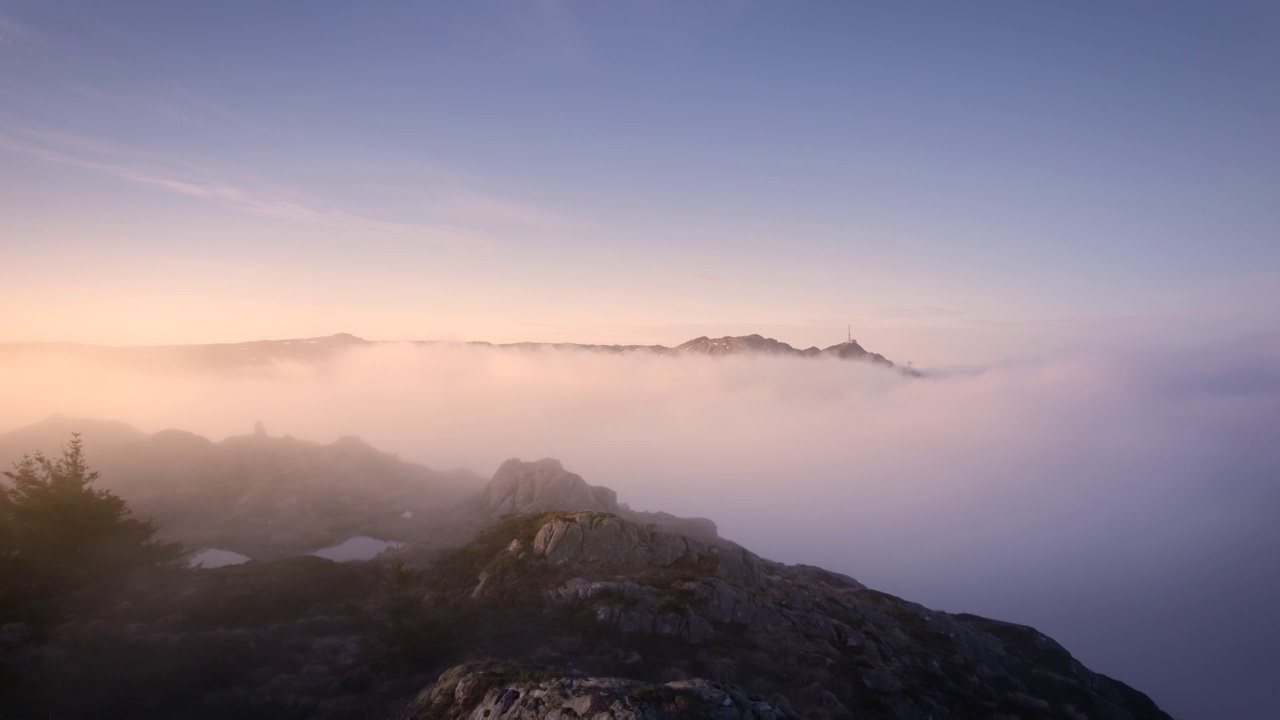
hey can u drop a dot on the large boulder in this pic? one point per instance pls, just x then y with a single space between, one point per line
524 488
531 487
587 539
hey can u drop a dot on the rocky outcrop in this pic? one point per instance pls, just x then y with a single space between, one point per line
519 488
491 694
817 642
666 522
759 345
851 350
729 345
530 487
588 539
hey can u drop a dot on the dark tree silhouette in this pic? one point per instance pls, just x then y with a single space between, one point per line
397 613
64 542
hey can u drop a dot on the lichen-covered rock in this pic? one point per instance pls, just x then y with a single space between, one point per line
509 693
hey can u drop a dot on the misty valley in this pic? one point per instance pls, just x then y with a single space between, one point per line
270 575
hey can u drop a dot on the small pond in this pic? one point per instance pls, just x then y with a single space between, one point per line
213 557
356 548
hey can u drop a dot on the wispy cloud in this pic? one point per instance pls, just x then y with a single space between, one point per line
471 207
13 32
179 104
193 181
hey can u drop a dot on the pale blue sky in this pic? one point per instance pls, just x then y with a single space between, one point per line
964 182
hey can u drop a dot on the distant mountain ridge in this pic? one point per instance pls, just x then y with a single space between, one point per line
231 356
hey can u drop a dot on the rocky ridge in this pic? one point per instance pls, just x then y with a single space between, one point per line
613 598
520 488
756 344
525 487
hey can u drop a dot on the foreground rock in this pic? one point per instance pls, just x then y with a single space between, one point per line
490 692
560 614
612 598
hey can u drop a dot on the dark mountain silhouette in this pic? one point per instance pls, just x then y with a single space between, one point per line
313 351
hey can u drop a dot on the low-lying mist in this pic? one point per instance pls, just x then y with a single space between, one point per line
1125 504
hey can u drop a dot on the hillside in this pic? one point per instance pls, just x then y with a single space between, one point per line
258 495
268 497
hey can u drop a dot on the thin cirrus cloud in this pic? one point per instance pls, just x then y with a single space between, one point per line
180 104
12 32
195 181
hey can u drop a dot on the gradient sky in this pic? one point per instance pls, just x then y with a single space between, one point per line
963 182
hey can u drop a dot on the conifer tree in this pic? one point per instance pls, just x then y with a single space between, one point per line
64 541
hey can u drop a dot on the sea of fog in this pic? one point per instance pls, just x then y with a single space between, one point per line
1125 503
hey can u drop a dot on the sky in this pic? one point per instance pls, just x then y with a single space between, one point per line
964 183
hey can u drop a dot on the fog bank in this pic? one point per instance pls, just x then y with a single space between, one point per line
1123 503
